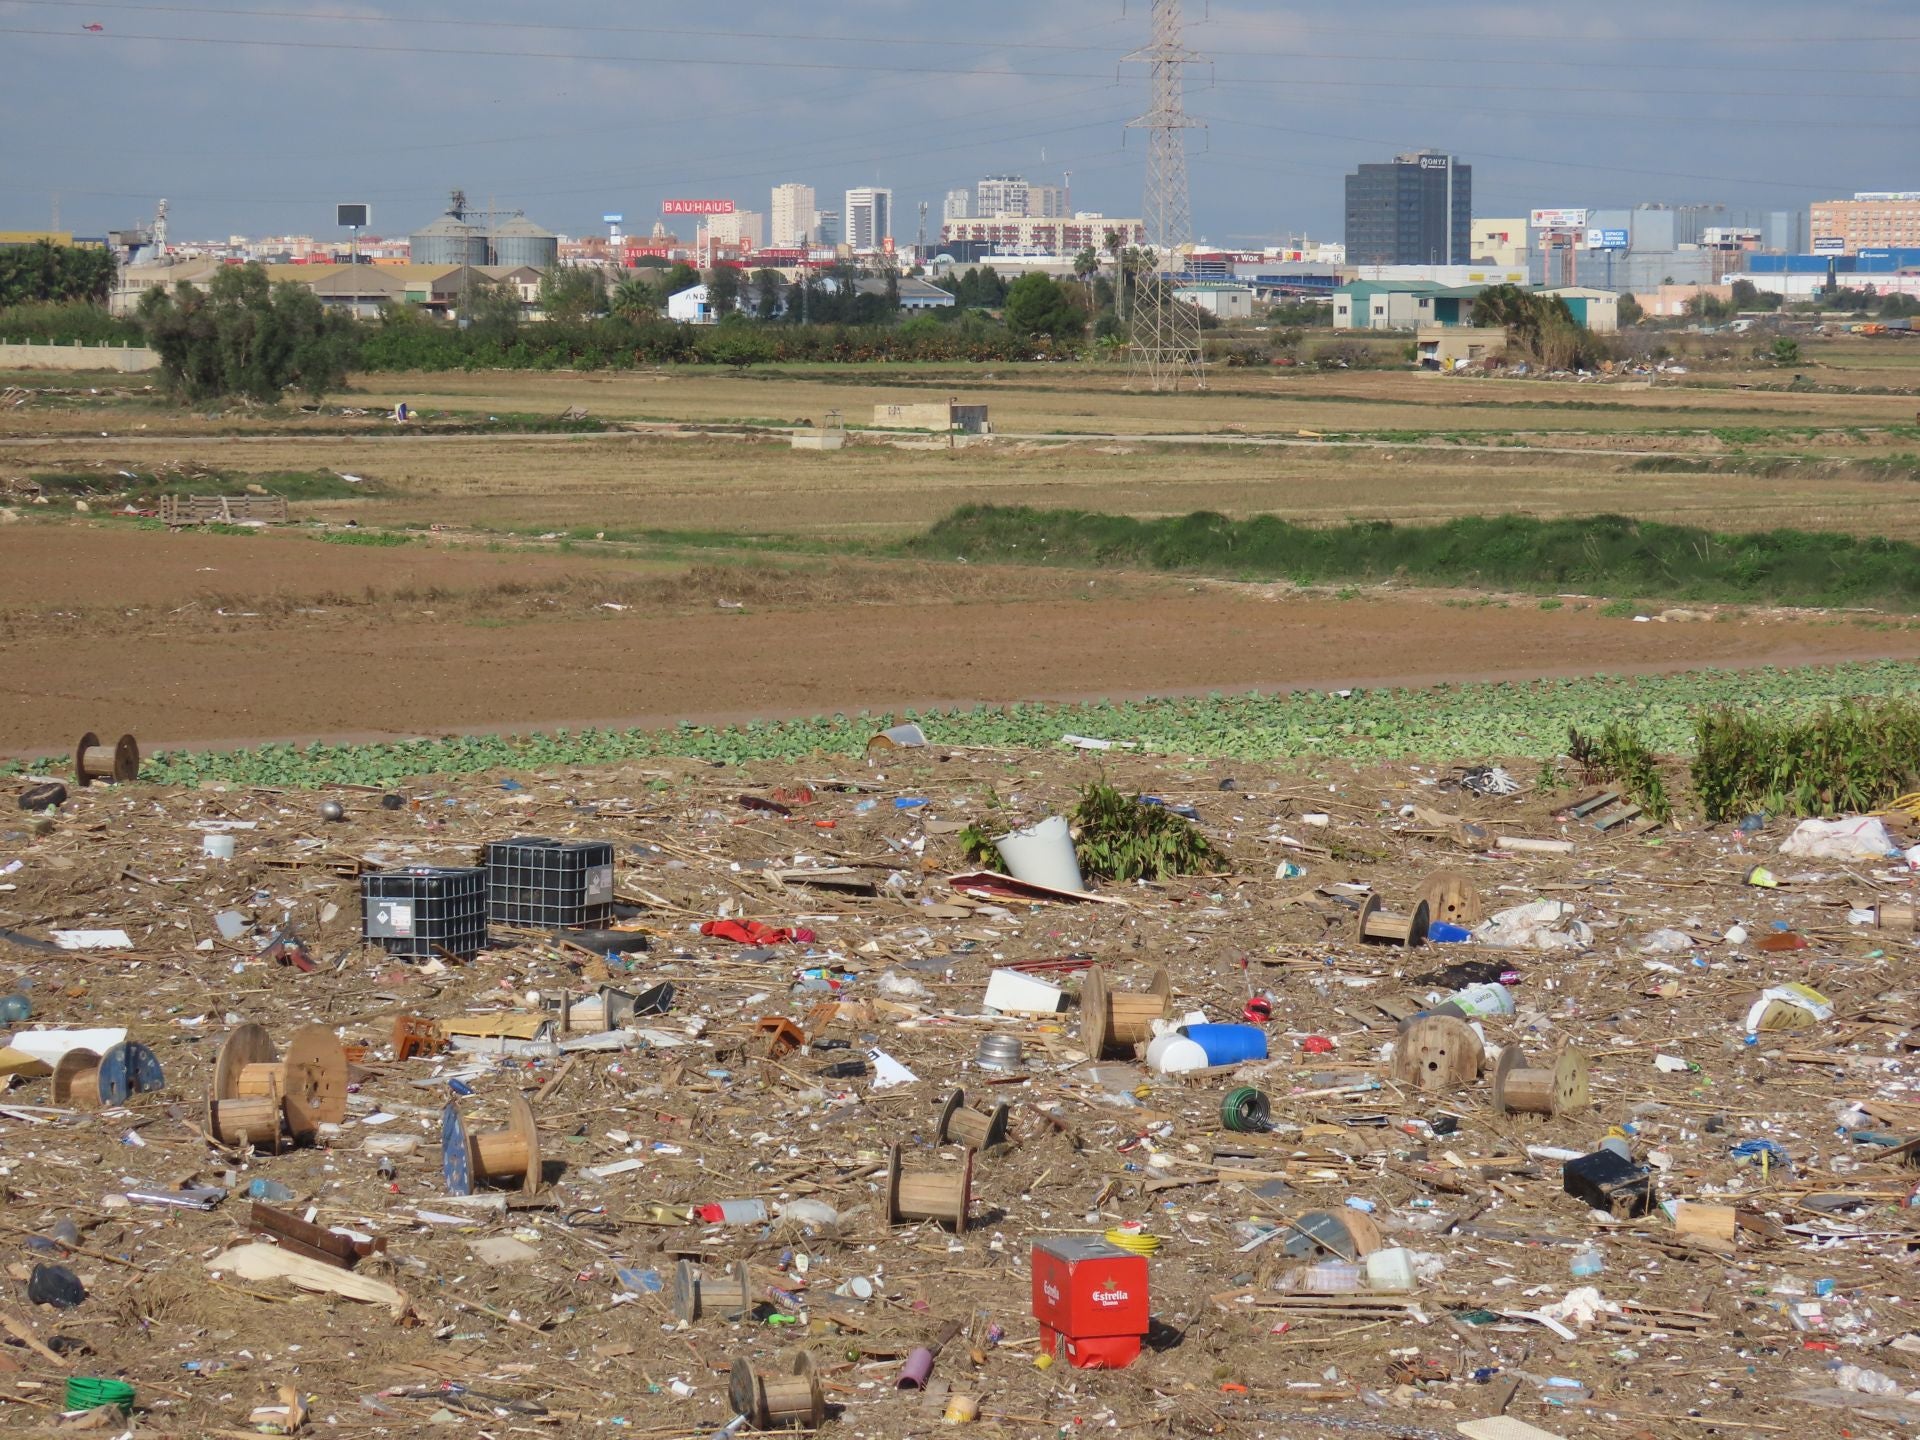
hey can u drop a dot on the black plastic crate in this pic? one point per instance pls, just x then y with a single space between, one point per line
549 883
425 910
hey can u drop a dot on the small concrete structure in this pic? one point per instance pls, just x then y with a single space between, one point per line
1449 347
944 417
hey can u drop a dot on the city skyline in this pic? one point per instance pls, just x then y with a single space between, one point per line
541 116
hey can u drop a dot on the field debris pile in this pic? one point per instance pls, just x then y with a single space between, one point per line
862 1104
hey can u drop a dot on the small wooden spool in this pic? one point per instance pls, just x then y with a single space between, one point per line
1895 917
1438 1052
86 1080
93 761
1378 927
1562 1090
1453 898
768 1398
975 1129
256 1095
927 1195
490 1156
728 1295
1113 1022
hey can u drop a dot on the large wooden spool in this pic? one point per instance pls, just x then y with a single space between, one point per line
87 1080
93 761
696 1294
257 1096
928 1194
1560 1090
1438 1052
1454 899
1895 917
1379 927
490 1157
975 1129
1113 1022
770 1399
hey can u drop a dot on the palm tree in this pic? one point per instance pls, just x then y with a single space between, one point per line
633 298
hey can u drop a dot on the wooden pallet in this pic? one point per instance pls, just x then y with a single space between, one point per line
1609 812
181 510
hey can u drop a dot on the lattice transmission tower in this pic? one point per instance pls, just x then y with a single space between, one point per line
1166 333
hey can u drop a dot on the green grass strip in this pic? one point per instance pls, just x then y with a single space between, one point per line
1466 722
1601 554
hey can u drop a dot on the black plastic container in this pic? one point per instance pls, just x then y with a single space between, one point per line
549 883
425 910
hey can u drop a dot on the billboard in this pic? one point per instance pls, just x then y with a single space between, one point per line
696 207
1899 195
1558 220
1606 240
611 219
352 217
1829 245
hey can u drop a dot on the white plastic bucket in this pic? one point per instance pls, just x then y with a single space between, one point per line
217 847
1043 855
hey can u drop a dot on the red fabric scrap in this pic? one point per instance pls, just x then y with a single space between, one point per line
752 932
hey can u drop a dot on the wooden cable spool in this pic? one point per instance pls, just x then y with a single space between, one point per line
1895 917
87 1080
93 761
1561 1090
490 1156
928 1195
975 1129
728 1295
769 1399
1113 1022
1379 927
256 1096
1438 1052
1453 898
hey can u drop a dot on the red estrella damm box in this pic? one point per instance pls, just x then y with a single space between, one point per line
1093 1296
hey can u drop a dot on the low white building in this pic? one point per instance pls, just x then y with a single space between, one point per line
692 306
1219 298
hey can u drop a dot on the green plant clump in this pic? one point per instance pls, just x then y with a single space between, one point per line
1849 757
1620 753
1122 837
366 537
1604 554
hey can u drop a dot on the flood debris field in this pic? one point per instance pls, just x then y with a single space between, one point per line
1766 1284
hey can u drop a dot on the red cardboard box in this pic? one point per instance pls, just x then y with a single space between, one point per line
1090 1297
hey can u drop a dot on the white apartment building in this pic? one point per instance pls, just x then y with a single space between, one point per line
790 218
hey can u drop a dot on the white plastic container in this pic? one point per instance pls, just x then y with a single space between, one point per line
217 847
1173 1054
1332 1277
1012 992
1043 855
1390 1270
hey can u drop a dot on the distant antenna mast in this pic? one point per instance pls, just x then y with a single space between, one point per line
920 241
1166 333
160 228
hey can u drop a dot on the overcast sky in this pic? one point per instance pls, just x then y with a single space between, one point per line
253 119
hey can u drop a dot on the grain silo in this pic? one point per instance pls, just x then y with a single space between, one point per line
518 241
453 239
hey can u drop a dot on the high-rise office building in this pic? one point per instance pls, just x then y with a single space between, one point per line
869 217
828 228
1418 210
790 218
959 205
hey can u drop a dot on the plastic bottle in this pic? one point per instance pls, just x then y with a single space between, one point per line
16 1007
1333 1277
265 1189
734 1212
1586 1263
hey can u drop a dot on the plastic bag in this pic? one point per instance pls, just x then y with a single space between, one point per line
1543 925
1858 837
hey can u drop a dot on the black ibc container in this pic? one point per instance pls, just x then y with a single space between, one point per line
425 910
549 883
